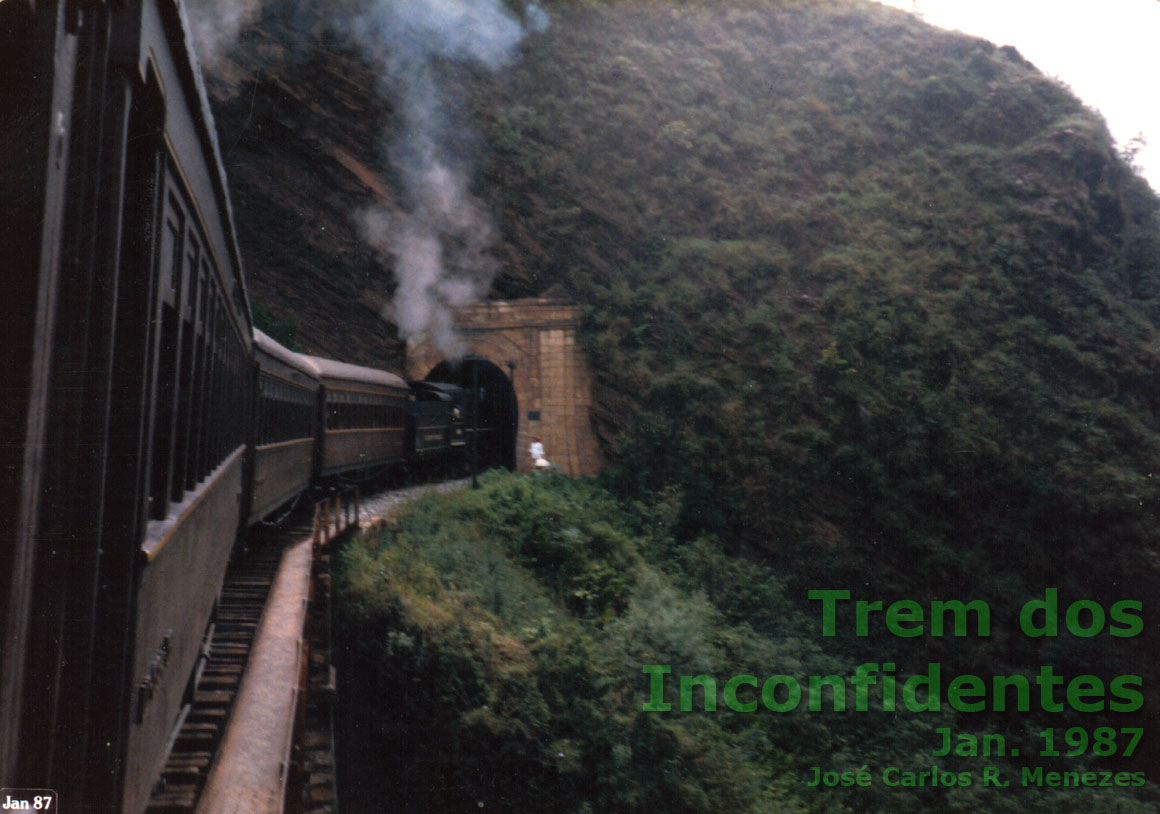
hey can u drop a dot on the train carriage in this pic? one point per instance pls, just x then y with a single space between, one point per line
364 423
126 384
147 422
284 427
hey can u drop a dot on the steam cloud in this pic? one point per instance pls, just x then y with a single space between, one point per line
440 246
215 25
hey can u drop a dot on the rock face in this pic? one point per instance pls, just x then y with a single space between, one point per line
300 124
306 130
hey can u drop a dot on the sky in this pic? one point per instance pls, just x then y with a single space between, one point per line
1104 50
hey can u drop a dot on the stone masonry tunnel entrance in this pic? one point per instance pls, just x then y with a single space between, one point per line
498 410
535 372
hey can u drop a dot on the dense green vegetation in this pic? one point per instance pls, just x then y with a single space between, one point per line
880 302
849 278
498 637
870 305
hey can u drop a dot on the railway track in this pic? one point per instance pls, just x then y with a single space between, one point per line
225 654
245 596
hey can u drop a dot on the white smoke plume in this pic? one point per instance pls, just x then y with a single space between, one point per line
215 25
440 250
440 245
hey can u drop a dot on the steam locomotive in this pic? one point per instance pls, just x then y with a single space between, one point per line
146 424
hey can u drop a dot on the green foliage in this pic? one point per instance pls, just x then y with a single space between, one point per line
504 690
875 301
280 330
507 623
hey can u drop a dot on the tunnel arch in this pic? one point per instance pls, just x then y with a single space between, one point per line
534 343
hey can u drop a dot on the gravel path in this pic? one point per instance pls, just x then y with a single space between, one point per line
383 504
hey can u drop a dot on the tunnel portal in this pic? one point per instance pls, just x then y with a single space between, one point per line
537 375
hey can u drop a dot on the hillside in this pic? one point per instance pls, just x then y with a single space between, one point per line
493 646
871 304
851 281
881 300
299 126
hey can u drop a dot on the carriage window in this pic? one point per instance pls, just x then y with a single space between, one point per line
200 364
170 255
185 395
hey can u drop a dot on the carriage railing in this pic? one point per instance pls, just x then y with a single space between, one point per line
335 514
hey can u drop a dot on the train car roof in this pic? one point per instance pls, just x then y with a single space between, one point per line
344 371
264 343
438 391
